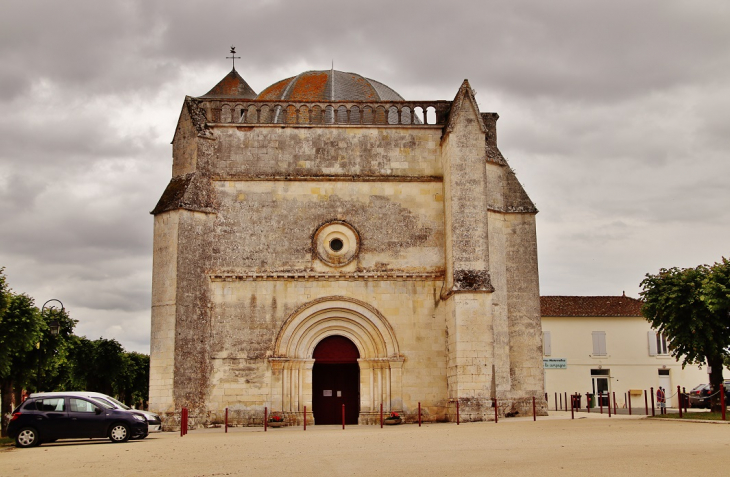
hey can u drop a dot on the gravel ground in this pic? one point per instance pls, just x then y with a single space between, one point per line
557 445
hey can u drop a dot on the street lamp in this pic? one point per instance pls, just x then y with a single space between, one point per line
55 327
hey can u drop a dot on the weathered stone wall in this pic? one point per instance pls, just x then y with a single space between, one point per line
248 314
164 291
328 152
269 225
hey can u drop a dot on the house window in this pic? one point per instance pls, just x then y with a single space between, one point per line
546 344
657 344
599 343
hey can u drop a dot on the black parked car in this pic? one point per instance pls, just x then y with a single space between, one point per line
700 396
46 419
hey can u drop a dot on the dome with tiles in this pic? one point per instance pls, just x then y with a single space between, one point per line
329 85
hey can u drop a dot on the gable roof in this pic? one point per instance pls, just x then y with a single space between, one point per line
232 85
590 306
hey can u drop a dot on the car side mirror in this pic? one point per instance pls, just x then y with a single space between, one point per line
98 410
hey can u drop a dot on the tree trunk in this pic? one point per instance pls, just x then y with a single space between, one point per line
716 365
6 410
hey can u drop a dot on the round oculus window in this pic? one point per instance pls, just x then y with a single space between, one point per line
336 243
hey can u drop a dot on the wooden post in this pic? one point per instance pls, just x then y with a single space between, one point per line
679 396
653 411
615 406
572 412
628 401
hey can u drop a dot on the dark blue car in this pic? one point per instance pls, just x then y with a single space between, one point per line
46 419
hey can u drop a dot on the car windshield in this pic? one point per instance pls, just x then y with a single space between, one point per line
102 403
118 403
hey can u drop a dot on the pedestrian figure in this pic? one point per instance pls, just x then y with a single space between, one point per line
661 400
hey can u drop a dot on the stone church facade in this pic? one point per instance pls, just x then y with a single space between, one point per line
327 242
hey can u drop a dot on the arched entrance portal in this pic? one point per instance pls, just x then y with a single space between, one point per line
377 357
336 381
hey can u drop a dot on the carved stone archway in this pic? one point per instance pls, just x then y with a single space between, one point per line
380 360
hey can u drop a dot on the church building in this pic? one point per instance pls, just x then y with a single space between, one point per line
326 243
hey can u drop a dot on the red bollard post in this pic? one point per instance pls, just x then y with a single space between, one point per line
722 402
608 395
266 418
653 411
226 420
628 401
572 412
496 413
556 401
615 406
534 412
457 411
305 418
381 415
566 400
561 402
419 413
343 416
646 404
679 396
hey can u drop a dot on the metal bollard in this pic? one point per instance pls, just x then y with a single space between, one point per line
226 420
628 401
457 411
572 412
496 414
266 418
534 411
305 418
615 406
381 415
343 416
646 403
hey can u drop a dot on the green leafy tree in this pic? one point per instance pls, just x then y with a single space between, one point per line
690 306
20 329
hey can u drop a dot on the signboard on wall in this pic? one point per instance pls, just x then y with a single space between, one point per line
555 363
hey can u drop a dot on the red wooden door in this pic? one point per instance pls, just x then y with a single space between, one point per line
336 381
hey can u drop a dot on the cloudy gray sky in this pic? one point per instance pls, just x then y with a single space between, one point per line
615 116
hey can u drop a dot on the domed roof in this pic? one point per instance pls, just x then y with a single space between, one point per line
329 85
232 85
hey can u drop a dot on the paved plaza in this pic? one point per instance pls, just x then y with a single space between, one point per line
592 445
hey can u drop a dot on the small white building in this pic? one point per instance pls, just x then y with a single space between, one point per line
596 344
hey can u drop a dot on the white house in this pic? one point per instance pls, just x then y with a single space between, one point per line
602 343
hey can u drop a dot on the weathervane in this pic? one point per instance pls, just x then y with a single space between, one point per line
233 56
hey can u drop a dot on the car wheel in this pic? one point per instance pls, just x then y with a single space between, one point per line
27 437
119 432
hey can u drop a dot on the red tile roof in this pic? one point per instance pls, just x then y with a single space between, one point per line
589 306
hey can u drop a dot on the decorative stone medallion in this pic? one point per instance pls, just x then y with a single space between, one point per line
336 243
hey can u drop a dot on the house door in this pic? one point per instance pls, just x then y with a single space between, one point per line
335 381
600 386
665 381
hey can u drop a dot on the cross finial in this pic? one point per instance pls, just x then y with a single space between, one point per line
233 56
